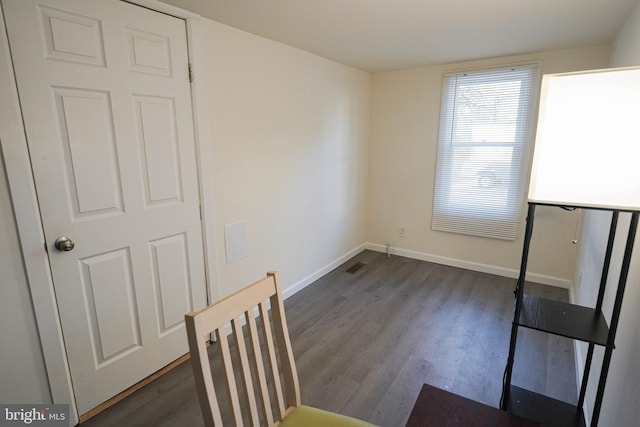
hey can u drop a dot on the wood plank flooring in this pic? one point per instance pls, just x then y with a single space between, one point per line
365 342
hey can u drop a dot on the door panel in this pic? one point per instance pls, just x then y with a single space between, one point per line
171 280
71 37
149 53
106 104
155 121
110 301
87 136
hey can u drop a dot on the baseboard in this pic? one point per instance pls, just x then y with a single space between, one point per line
135 387
453 262
300 285
469 265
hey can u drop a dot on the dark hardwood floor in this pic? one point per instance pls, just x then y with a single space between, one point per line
365 342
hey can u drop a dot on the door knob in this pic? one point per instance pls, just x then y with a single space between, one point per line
64 244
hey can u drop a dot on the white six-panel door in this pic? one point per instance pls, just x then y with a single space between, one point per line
105 97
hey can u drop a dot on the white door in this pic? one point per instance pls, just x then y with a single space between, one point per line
105 96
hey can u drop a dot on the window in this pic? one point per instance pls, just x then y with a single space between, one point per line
485 129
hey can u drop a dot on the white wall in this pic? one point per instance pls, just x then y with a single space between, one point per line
290 136
405 114
621 404
22 372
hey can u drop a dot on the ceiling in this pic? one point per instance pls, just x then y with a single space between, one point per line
380 35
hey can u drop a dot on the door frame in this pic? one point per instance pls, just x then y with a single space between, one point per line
13 144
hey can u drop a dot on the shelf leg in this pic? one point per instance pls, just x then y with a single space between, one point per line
504 399
585 376
615 317
603 284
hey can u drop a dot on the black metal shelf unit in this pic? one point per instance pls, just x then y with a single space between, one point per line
571 321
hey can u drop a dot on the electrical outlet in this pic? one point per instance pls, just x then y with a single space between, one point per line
402 231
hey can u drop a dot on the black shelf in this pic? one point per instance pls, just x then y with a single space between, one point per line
571 321
543 409
564 319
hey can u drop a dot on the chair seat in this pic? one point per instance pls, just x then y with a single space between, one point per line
306 416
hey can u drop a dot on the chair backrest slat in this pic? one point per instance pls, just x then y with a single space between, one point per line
272 359
288 364
245 370
227 365
204 381
260 366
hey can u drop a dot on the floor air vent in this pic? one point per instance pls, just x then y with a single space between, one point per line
355 267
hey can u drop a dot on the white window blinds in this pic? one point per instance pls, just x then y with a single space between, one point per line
485 132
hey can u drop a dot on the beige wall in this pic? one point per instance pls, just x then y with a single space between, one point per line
621 404
404 134
290 139
626 49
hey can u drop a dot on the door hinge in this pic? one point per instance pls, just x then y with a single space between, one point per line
190 72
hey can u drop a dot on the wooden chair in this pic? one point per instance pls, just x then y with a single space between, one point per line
256 362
